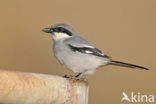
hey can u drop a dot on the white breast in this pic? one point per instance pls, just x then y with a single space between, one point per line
58 36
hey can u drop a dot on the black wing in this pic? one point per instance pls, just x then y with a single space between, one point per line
87 50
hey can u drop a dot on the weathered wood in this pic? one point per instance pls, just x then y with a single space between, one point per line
34 88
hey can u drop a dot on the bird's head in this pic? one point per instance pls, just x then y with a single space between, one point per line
60 31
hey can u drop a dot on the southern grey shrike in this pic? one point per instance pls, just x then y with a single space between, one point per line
77 54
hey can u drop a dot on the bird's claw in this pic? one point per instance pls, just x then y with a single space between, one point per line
68 76
73 77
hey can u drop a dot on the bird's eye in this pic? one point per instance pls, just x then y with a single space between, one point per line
56 29
59 29
62 29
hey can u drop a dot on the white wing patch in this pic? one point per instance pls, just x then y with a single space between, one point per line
81 45
88 52
88 46
100 53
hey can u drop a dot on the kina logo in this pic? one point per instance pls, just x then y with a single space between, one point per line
137 97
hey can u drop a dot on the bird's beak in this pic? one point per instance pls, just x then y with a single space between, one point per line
48 30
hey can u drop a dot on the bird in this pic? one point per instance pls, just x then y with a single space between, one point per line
77 54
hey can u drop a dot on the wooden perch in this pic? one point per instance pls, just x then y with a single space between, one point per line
33 88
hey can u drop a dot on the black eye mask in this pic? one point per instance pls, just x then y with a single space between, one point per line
62 30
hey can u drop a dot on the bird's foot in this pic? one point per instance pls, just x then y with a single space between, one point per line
74 77
68 76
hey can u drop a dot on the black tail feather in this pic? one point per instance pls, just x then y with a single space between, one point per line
127 65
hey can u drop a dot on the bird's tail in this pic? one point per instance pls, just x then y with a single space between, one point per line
123 64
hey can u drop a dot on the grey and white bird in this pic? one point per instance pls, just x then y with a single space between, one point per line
77 54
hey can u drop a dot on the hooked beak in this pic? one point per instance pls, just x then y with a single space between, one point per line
48 30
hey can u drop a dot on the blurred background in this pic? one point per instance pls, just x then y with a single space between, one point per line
123 29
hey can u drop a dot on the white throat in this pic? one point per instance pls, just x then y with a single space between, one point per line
58 36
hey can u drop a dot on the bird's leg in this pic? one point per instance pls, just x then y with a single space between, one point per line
78 75
68 76
74 77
